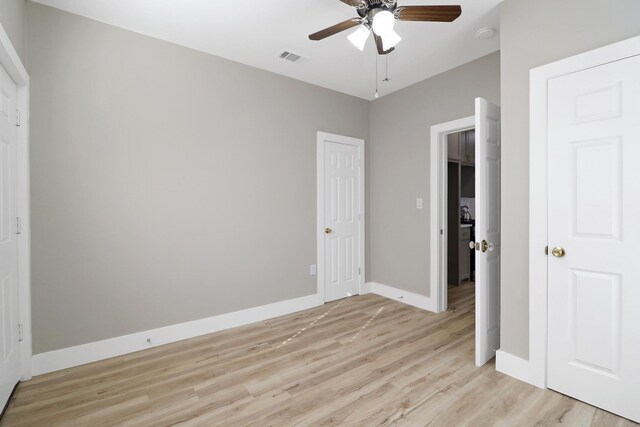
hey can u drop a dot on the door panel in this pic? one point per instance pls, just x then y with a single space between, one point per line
487 166
597 208
9 349
594 201
590 289
342 218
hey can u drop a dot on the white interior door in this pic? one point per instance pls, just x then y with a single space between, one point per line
9 348
342 216
594 205
487 230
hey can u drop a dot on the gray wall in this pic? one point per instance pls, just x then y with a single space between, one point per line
12 18
534 33
399 166
167 184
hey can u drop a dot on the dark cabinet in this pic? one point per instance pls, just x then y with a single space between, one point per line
468 153
467 181
461 147
464 262
453 146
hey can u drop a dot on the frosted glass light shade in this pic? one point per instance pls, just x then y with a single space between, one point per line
390 39
383 22
359 37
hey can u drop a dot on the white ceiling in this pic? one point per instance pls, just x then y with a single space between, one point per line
254 32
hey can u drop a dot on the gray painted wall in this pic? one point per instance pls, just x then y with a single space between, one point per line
12 18
534 33
167 184
399 166
196 146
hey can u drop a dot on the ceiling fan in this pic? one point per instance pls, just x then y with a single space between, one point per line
378 16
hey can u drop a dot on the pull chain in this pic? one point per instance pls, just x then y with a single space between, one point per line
376 95
386 70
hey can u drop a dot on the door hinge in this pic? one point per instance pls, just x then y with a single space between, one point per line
20 333
18 226
359 271
17 117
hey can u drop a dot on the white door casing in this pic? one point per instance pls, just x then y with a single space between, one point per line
9 346
594 202
487 230
340 210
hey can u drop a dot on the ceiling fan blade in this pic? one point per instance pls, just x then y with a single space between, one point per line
428 13
354 3
380 46
323 34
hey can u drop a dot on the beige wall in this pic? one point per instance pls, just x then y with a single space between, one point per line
167 184
399 166
534 33
12 18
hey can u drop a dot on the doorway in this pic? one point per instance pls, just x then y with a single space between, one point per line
460 228
476 137
340 196
460 207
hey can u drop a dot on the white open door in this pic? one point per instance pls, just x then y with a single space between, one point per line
487 230
9 346
594 232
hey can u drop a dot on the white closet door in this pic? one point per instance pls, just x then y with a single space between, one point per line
594 234
9 347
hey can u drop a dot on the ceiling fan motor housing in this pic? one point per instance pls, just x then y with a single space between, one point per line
372 7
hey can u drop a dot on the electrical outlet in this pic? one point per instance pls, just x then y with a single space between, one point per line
313 270
419 203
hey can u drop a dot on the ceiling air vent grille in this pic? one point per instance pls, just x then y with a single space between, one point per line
292 57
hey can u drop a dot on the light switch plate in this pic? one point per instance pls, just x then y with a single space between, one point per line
313 270
419 203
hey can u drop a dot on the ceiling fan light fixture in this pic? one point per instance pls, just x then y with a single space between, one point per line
359 37
379 16
390 39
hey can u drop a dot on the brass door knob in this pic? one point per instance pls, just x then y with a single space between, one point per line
485 246
558 252
328 230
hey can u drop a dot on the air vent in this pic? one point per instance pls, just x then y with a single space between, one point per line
292 57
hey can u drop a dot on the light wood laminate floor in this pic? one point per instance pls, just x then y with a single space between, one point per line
362 361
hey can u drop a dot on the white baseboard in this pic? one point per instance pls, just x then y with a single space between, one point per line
401 295
513 366
365 288
99 350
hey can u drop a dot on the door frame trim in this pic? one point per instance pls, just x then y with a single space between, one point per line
322 138
438 208
538 197
11 62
